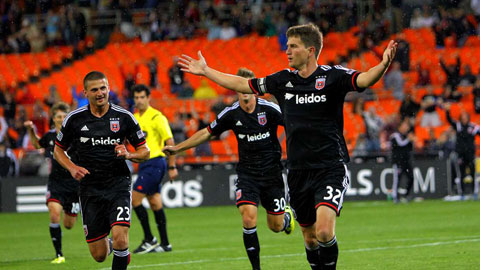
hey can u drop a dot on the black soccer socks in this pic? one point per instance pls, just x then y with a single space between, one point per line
161 220
121 259
312 257
143 217
328 254
250 240
56 235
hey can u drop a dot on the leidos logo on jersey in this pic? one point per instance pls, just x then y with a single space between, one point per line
101 141
306 98
257 137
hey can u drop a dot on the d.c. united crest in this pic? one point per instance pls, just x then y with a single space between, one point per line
115 126
262 119
320 83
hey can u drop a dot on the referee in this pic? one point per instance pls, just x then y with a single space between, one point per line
150 173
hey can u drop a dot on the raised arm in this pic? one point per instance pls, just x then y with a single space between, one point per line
199 67
449 117
34 139
198 138
369 78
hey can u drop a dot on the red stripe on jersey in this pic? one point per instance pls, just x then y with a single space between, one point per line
53 200
251 87
96 239
305 224
327 204
246 202
70 214
353 82
141 143
59 145
121 223
209 129
276 213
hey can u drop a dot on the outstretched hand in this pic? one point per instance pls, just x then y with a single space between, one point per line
170 150
389 53
190 65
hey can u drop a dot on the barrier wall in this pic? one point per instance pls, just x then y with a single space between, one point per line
201 187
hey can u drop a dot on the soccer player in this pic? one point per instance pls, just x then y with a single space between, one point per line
96 134
465 148
311 98
402 146
150 173
62 189
254 122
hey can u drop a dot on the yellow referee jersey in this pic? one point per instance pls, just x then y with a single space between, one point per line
156 129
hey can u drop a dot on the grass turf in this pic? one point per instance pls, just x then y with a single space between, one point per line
371 235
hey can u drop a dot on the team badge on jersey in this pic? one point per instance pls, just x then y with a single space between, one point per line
262 119
115 126
238 194
320 83
85 230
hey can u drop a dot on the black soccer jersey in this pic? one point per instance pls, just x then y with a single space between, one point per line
465 143
58 174
259 151
313 113
93 141
401 148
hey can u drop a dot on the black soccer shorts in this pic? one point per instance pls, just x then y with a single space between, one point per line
101 213
310 189
270 192
68 198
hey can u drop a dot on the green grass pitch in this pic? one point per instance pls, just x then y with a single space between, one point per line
371 235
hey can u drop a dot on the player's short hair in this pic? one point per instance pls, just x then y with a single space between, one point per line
60 106
91 76
309 34
140 88
246 73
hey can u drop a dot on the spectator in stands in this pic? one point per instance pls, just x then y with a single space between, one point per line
214 29
403 53
33 35
152 65
373 126
3 126
219 105
421 19
176 77
129 80
394 81
24 96
79 98
52 26
358 105
40 118
430 117
452 72
203 149
227 31
467 78
423 75
187 90
409 108
8 161
20 118
476 95
53 96
360 149
450 96
9 108
204 91
178 128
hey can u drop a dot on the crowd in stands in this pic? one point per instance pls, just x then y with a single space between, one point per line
66 24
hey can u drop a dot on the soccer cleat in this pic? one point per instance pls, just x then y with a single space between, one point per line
290 227
146 246
161 248
58 260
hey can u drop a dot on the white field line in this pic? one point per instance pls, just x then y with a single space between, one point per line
439 243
